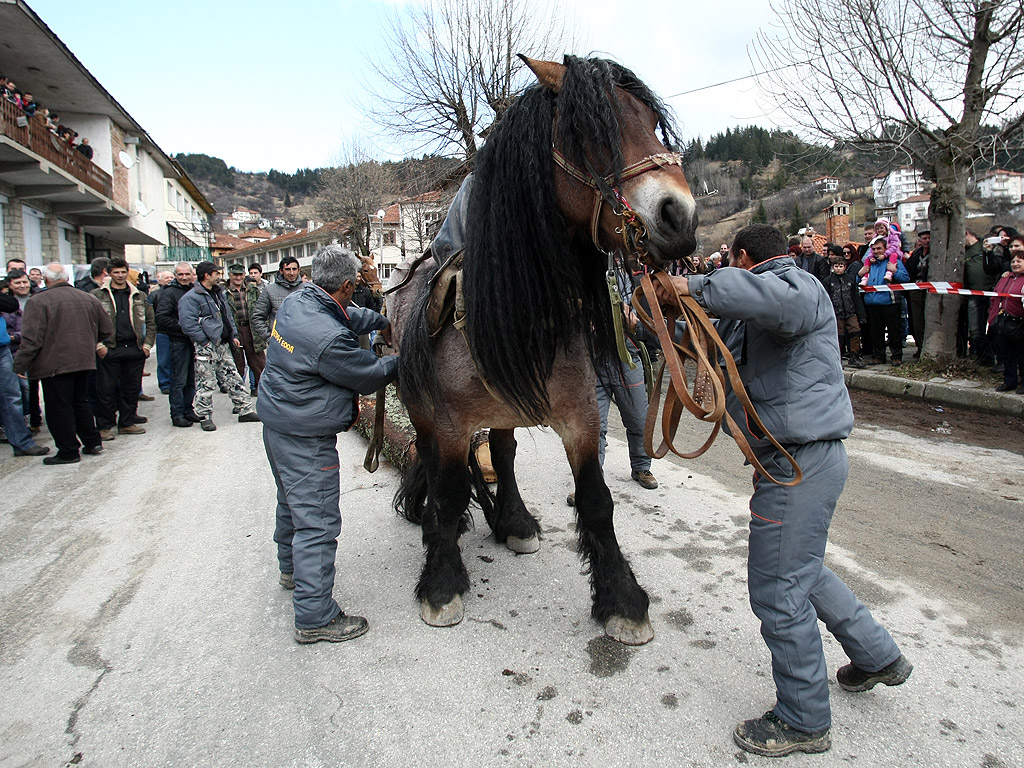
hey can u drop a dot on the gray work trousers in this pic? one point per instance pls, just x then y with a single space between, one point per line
791 589
308 520
631 399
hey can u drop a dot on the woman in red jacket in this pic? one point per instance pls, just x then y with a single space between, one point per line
1011 351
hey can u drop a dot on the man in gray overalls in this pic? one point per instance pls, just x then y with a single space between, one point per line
779 325
308 394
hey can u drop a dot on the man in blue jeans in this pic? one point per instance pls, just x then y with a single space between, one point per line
163 343
11 415
183 374
779 325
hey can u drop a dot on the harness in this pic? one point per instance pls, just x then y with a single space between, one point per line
633 228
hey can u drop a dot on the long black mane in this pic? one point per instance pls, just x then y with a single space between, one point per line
533 287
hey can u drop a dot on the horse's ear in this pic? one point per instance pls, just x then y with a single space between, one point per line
549 73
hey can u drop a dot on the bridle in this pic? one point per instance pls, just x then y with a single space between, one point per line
375 285
633 228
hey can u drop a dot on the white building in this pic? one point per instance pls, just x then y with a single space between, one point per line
899 184
825 184
1002 185
58 205
229 223
912 213
406 230
245 215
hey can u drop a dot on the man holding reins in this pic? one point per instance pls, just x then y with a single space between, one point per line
779 325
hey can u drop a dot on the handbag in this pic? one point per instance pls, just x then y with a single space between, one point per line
1009 326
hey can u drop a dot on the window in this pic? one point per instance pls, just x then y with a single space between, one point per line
32 221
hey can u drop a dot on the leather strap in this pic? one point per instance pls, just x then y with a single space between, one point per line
702 345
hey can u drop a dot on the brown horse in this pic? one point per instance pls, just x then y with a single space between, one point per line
574 171
368 277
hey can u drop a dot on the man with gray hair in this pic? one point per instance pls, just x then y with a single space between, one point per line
314 375
62 333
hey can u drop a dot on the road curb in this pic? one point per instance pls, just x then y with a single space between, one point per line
976 398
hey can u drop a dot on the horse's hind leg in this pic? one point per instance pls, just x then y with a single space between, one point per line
618 600
511 522
444 577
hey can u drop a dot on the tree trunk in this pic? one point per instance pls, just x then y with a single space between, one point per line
946 259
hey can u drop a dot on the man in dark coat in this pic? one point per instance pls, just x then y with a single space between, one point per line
182 390
62 334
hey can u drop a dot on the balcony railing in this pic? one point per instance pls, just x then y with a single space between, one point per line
35 136
187 253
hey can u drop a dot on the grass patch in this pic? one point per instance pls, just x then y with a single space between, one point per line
958 368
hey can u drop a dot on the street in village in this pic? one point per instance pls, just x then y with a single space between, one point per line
142 622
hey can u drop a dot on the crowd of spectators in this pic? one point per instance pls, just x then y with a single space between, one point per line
25 101
87 344
870 323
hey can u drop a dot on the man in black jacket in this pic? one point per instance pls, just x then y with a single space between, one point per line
183 374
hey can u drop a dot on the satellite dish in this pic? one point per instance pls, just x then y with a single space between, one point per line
126 159
141 209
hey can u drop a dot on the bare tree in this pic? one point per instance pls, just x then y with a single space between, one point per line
354 190
450 69
920 79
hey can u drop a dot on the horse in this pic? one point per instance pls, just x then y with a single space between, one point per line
572 172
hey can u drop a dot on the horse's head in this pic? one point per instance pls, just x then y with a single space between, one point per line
368 277
627 188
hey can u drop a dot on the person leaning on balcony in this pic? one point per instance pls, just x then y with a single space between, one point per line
85 149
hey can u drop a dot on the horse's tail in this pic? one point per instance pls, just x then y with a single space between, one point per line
411 497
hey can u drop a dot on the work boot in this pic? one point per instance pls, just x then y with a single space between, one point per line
147 398
287 580
131 429
35 450
182 422
193 417
249 418
853 678
95 450
139 420
645 478
856 362
106 435
208 425
51 460
339 630
769 736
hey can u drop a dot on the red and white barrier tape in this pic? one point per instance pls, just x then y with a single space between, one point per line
952 288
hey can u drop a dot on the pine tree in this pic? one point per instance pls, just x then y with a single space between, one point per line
761 215
287 200
797 221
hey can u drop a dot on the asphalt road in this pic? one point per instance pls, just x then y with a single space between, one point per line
141 622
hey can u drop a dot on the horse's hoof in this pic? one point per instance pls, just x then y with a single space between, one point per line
448 615
523 546
629 632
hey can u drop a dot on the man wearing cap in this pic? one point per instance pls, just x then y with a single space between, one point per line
206 319
780 327
242 297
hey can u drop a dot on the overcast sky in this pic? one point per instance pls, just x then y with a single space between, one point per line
276 85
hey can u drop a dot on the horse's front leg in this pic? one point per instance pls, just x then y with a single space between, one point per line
444 577
511 522
618 600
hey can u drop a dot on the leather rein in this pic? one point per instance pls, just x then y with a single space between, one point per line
705 398
700 342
